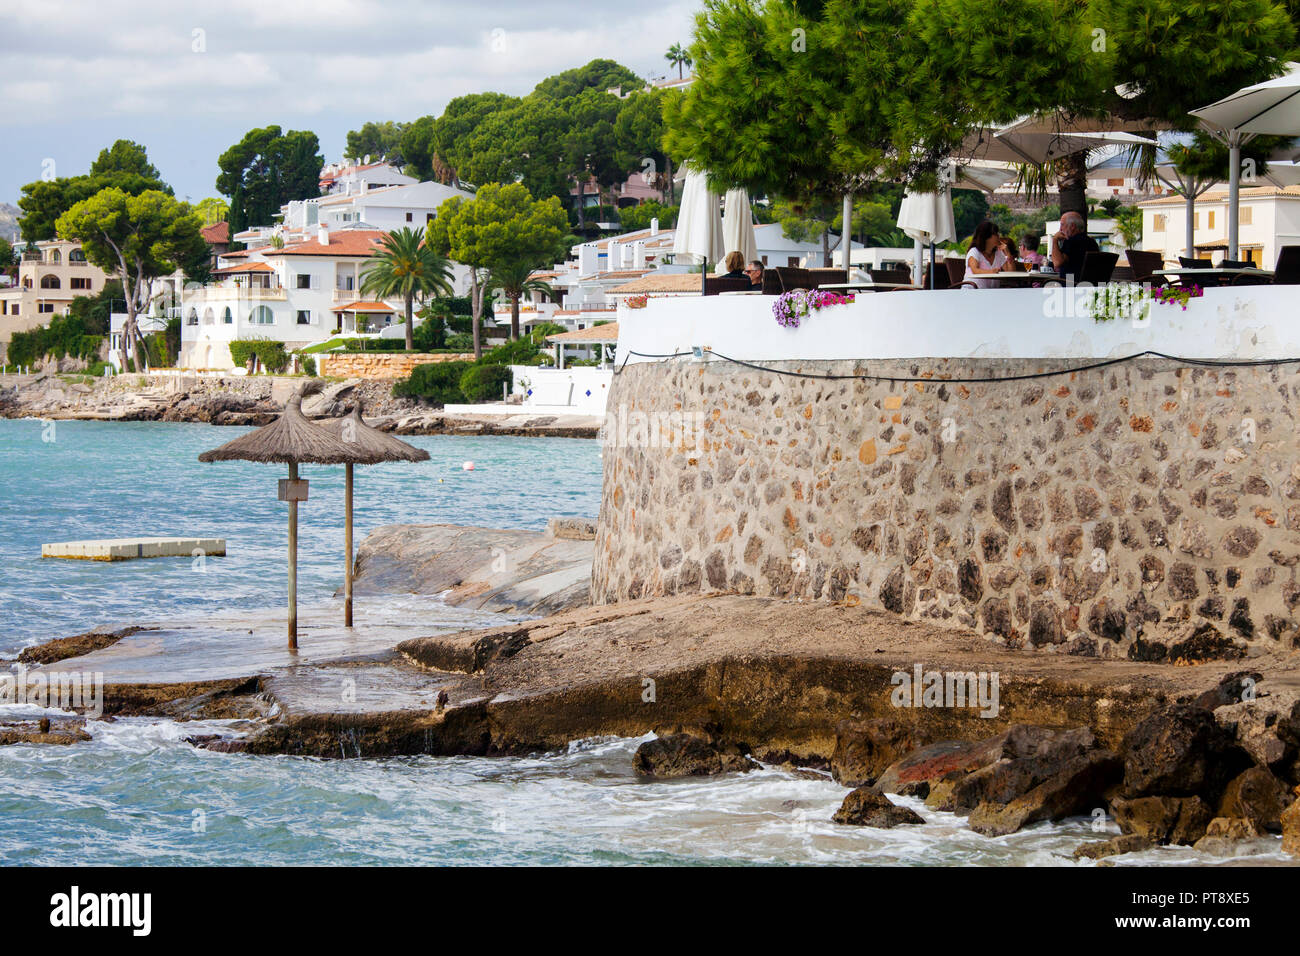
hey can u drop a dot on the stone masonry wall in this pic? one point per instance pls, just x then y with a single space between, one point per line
1145 510
380 364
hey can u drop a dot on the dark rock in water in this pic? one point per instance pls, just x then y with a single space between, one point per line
1028 757
1124 843
929 764
1230 828
1073 788
1179 751
62 648
865 748
58 730
865 807
685 755
1257 797
218 744
1181 820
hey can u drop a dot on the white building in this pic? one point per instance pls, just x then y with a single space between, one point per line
1268 219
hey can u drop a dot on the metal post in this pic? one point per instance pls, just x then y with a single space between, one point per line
347 544
1191 232
846 235
293 562
1234 189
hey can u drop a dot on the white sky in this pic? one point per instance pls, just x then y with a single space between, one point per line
77 74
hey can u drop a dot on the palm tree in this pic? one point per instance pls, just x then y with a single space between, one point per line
515 282
404 266
677 56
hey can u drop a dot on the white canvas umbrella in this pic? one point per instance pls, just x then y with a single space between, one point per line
699 223
1271 107
927 218
738 225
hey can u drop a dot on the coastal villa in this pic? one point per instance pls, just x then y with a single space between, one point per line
50 275
299 294
1268 219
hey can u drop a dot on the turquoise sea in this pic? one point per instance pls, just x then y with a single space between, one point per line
137 794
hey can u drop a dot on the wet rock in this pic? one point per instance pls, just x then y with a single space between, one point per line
865 807
1115 846
914 774
62 648
1206 643
1179 820
865 748
1179 751
1231 689
1230 828
686 755
1078 785
1026 757
61 731
1257 797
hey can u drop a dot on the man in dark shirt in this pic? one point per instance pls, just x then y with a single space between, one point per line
754 272
1070 245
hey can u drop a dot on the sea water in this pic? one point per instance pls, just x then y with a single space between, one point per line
137 794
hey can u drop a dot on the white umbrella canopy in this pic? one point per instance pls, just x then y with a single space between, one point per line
1271 107
699 223
738 224
927 218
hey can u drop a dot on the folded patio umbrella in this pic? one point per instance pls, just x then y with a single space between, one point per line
699 223
738 225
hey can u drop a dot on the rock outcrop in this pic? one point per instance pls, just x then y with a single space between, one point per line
866 807
686 755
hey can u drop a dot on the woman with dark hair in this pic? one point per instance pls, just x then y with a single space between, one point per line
986 255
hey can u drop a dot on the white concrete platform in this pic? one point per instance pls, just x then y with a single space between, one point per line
124 549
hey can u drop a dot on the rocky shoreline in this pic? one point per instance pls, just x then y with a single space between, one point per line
252 401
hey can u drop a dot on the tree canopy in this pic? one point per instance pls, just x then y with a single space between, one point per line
265 170
376 140
124 165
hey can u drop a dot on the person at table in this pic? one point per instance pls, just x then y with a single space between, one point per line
1029 254
735 263
986 257
754 272
1070 245
1013 255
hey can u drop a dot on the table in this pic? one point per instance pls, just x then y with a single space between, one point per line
743 292
865 286
1216 276
1022 279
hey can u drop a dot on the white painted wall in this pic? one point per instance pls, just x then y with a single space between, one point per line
1247 321
564 387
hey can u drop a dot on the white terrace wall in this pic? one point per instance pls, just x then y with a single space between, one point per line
1126 510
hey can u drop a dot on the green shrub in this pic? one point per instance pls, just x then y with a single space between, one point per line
482 383
463 324
375 345
436 382
97 369
270 353
308 366
430 334
460 342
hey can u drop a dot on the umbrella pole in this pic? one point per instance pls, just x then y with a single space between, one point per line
347 543
704 277
846 235
293 562
931 263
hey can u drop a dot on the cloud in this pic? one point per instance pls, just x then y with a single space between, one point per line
225 67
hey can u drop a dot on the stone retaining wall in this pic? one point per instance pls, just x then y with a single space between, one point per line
380 364
1112 512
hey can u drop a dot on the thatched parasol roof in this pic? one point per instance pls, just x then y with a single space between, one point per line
353 431
293 438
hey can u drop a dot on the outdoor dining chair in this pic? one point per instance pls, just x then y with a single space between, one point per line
1286 272
1097 267
716 284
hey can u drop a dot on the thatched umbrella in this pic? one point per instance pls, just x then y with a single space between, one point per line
373 445
292 439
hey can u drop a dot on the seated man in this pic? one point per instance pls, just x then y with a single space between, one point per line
754 272
1070 245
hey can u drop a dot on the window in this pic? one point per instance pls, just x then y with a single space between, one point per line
1244 215
54 257
428 217
1115 182
1158 223
209 317
1196 220
410 217
227 318
45 307
50 282
1209 218
76 255
80 282
192 318
792 262
262 315
304 317
304 280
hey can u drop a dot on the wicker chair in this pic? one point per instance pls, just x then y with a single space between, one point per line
1144 263
716 284
1097 267
1286 272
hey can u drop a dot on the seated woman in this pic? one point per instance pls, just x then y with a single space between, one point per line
735 263
1029 254
986 256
